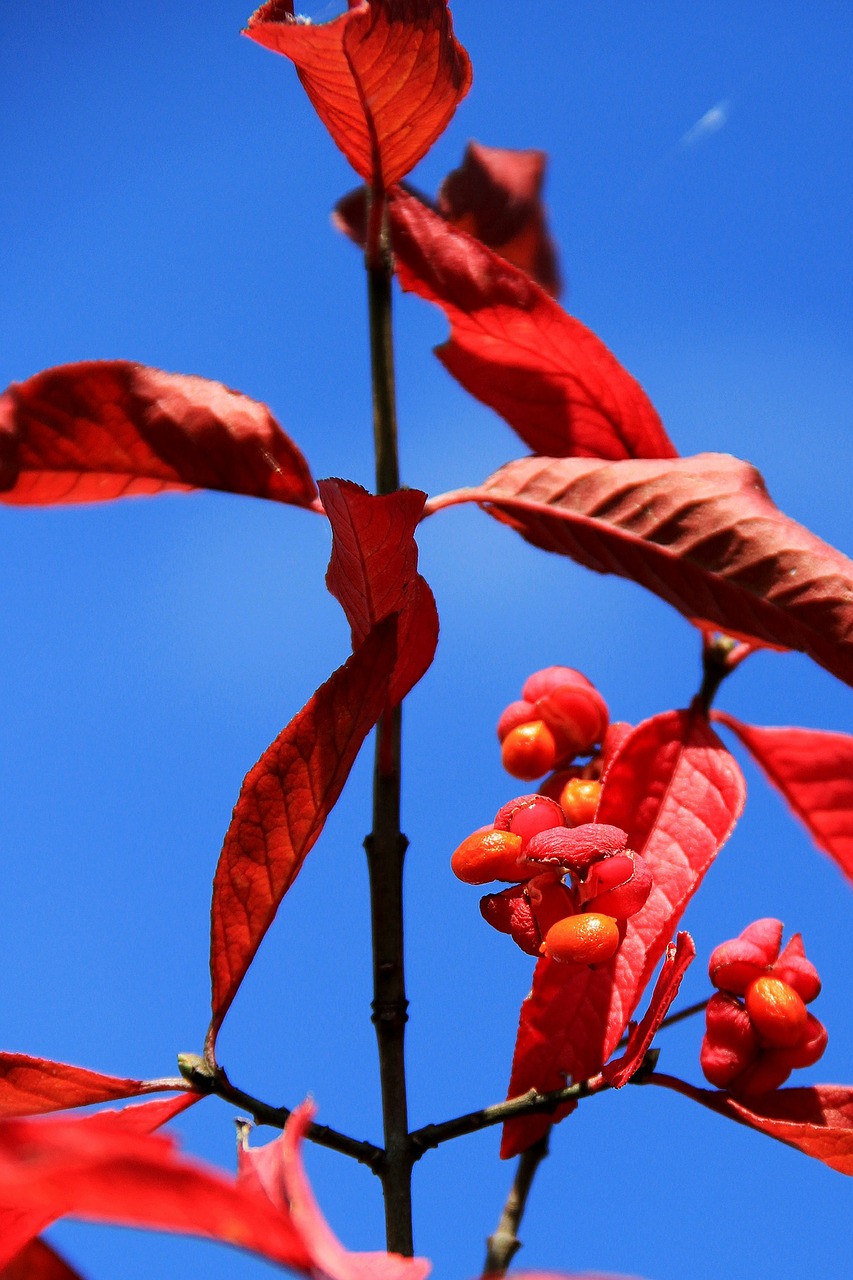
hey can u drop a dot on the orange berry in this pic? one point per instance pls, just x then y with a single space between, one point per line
776 1011
589 938
579 800
487 855
528 751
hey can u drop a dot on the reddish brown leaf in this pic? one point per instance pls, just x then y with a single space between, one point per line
33 1086
373 573
38 1261
385 77
496 196
514 348
276 1173
813 769
111 429
678 956
677 792
701 532
817 1121
283 805
20 1224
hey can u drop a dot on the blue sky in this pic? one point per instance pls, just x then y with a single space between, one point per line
166 199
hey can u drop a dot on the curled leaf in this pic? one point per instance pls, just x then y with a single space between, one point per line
111 429
679 955
385 77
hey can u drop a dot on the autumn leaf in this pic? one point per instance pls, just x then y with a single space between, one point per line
33 1086
373 573
556 384
283 805
817 1121
677 958
111 429
813 769
677 793
385 77
22 1222
496 196
702 533
38 1261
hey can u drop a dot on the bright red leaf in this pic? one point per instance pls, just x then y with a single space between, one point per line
385 77
33 1086
21 1223
813 769
283 805
373 572
817 1121
514 348
701 532
38 1261
111 429
677 792
276 1172
678 956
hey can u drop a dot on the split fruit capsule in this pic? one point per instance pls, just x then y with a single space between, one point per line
487 855
776 1011
589 938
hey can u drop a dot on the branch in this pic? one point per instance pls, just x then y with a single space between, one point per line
502 1247
213 1080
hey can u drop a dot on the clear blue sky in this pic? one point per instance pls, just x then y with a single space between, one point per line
165 198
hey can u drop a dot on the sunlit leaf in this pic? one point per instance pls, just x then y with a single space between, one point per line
38 1261
701 532
514 348
33 1086
678 956
283 805
813 769
111 429
817 1121
373 572
677 792
385 77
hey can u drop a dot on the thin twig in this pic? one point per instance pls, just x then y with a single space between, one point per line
504 1244
213 1080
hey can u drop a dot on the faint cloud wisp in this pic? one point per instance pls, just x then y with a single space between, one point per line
711 122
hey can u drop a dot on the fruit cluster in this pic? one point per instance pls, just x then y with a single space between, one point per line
573 887
758 1029
559 717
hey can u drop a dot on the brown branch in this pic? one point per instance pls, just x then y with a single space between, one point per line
504 1244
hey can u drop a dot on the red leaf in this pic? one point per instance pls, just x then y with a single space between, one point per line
701 532
38 1261
677 792
496 196
21 1224
813 769
283 805
514 348
111 429
373 573
679 955
32 1086
276 1172
385 78
817 1121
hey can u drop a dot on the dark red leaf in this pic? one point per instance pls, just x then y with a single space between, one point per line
373 572
813 769
283 805
496 196
678 956
111 429
32 1086
677 792
514 348
817 1121
385 77
20 1224
38 1261
276 1173
701 532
